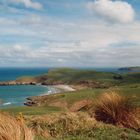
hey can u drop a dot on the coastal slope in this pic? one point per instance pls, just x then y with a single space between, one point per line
75 114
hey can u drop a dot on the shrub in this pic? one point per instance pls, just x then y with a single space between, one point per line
12 129
118 110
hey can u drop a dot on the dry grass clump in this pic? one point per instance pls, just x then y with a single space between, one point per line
62 124
118 110
12 129
81 105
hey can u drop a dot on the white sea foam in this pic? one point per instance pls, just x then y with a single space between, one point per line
8 103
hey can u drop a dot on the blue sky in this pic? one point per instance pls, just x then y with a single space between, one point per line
73 33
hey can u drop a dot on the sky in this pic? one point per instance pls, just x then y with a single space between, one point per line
69 33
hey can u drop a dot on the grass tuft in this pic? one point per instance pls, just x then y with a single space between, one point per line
13 129
62 124
119 110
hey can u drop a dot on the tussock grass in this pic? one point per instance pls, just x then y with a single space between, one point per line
13 129
62 124
77 126
118 110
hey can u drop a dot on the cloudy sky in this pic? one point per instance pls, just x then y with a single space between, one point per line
74 33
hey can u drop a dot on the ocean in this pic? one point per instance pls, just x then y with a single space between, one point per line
7 74
16 95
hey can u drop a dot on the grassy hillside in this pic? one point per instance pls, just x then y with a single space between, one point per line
89 78
55 122
131 78
76 76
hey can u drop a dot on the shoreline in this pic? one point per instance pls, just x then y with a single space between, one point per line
53 89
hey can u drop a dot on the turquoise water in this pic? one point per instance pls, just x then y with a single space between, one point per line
16 95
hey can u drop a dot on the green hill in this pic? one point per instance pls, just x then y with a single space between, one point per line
89 78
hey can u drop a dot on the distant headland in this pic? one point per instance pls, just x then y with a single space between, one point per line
137 68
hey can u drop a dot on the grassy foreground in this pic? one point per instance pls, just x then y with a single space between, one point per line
85 114
55 122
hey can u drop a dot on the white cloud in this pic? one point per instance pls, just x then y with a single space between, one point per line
115 11
29 4
45 41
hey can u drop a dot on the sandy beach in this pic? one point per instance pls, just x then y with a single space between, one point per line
58 89
64 87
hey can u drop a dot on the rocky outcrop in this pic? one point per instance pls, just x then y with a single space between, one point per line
12 83
43 100
30 103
